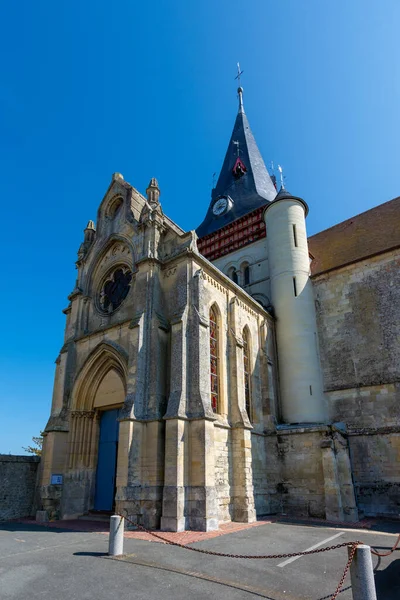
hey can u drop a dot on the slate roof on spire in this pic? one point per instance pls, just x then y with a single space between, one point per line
249 191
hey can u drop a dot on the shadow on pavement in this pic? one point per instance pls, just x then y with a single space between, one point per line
90 554
387 582
56 526
202 576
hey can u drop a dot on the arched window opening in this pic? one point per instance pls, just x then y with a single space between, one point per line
246 369
114 207
246 275
233 274
214 359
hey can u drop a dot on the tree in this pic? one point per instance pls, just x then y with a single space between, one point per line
37 448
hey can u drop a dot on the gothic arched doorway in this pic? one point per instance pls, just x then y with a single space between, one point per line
98 397
110 393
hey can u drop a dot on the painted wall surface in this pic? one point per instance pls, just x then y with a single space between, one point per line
17 486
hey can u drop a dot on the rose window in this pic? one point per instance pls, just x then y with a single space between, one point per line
115 289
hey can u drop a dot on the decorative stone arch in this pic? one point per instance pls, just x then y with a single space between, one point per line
113 205
233 273
263 300
104 358
116 250
245 272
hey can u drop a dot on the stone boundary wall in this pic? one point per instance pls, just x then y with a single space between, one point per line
17 485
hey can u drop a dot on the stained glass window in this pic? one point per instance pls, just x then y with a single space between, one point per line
246 369
214 364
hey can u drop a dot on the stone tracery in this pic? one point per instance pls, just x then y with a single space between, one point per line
115 288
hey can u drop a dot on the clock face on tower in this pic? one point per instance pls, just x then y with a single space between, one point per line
220 206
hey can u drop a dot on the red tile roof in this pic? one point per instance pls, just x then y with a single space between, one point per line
375 231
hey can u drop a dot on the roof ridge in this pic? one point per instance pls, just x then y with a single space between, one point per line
356 216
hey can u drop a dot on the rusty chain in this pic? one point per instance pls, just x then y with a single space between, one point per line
352 545
381 554
225 555
346 569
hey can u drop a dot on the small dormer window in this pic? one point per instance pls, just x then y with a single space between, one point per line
239 169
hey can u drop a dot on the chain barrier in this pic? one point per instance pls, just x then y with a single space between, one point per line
381 554
352 545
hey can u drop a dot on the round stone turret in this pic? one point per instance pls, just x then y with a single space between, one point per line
292 296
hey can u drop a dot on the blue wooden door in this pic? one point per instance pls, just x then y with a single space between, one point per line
107 460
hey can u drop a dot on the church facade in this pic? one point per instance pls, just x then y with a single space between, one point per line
231 372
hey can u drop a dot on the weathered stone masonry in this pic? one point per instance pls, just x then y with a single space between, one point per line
279 396
358 309
18 476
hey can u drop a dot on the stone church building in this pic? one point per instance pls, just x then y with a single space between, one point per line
230 372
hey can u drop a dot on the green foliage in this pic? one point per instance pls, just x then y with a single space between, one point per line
37 448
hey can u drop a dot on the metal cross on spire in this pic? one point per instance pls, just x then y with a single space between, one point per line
237 144
239 74
240 89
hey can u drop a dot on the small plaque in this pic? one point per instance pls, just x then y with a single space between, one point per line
56 479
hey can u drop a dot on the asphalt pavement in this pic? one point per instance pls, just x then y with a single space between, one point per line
43 563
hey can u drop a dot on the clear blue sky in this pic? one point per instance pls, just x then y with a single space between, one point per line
147 89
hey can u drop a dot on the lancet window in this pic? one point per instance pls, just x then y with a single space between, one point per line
246 369
214 359
246 275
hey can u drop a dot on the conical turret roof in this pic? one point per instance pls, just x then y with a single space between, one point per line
243 178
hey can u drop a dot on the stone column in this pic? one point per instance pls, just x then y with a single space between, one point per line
173 512
129 469
178 384
242 488
82 439
79 480
350 510
333 500
202 497
130 446
199 396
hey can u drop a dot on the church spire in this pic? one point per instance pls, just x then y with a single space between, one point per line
243 181
240 96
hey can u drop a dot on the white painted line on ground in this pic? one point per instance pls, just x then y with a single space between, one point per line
290 560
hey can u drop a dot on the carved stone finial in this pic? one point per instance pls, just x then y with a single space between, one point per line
153 192
90 226
117 176
90 234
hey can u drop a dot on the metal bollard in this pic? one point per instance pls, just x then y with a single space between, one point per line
362 574
116 539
